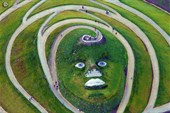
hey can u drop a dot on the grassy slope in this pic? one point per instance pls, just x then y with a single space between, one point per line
69 15
54 3
159 16
162 50
8 94
27 69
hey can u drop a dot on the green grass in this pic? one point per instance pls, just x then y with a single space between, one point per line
73 79
54 3
162 51
10 99
27 69
157 15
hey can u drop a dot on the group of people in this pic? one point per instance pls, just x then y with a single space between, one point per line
30 98
56 85
107 11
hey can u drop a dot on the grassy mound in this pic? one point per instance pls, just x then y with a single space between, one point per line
72 79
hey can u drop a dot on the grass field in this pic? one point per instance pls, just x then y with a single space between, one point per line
27 68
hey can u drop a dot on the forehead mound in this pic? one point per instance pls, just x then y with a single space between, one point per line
89 40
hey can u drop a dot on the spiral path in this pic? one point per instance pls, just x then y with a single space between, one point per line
94 12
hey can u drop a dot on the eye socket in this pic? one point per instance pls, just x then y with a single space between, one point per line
80 65
102 63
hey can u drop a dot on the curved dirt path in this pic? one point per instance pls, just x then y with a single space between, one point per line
7 59
11 74
31 10
161 109
16 3
41 52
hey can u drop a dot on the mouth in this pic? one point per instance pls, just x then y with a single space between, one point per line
95 84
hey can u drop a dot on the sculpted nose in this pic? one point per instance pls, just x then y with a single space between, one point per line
93 73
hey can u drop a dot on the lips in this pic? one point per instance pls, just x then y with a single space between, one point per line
94 82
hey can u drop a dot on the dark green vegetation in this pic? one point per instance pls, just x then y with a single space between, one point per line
162 51
10 99
73 79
